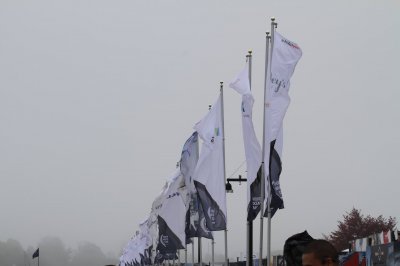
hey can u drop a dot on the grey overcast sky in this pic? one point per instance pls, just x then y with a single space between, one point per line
98 97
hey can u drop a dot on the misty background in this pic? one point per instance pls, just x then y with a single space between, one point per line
54 252
98 97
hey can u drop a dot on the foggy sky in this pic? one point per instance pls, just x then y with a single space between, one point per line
98 97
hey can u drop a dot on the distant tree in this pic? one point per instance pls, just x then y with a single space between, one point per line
88 254
355 225
53 252
11 253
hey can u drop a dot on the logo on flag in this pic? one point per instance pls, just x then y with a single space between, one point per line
204 225
256 202
211 214
292 44
164 240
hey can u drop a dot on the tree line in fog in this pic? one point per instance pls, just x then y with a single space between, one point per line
53 252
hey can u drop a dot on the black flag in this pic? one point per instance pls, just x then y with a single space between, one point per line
275 169
195 220
168 241
36 254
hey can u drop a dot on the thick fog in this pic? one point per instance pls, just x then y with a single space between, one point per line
98 97
52 252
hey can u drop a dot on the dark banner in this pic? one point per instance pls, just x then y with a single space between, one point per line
215 218
168 242
196 225
255 198
275 169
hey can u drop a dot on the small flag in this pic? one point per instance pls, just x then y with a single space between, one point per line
36 254
387 237
361 244
241 83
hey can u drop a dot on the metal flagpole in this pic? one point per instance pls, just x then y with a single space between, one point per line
212 251
273 26
185 254
193 251
223 152
198 238
200 255
249 261
263 150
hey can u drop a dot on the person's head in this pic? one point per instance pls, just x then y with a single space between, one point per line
320 252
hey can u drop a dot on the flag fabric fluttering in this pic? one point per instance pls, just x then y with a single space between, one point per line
189 158
241 83
209 175
284 57
134 252
195 221
155 209
360 245
196 225
138 250
251 145
145 237
171 216
35 254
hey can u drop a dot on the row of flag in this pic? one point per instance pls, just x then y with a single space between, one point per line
385 237
192 202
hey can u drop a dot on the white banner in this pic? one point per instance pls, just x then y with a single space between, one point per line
284 57
209 176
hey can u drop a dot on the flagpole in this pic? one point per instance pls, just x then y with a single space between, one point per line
212 251
193 251
185 253
200 251
273 26
249 261
199 238
212 240
223 152
263 150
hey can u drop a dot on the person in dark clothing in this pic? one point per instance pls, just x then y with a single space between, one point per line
320 252
294 247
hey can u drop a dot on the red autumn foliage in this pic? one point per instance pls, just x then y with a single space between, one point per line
355 225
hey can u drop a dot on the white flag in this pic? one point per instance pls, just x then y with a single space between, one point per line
241 83
155 210
284 58
251 145
131 252
171 216
195 221
144 233
361 244
209 175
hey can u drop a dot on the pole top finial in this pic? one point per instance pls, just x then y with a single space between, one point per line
250 51
221 82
